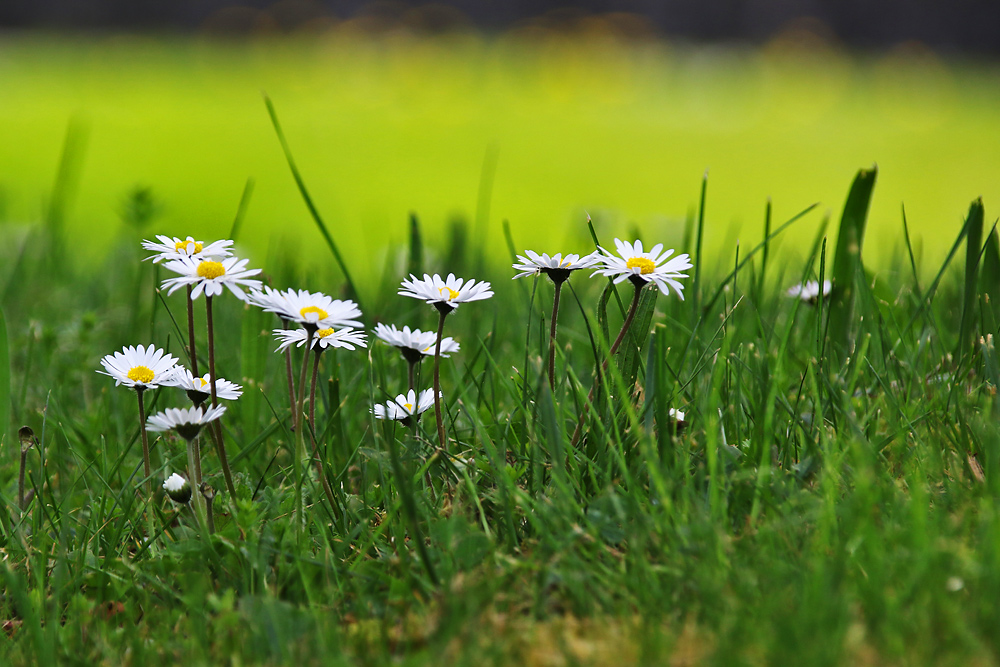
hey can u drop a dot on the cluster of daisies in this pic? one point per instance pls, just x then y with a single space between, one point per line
314 323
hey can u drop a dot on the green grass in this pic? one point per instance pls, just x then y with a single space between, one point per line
833 499
388 125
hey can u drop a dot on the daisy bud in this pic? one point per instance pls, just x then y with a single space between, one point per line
177 488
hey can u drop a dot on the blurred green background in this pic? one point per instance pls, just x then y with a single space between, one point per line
391 123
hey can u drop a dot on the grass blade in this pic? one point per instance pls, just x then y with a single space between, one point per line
313 211
973 246
847 260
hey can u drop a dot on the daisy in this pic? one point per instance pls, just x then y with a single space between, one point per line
556 267
171 247
809 290
177 488
416 343
323 338
445 294
644 267
199 390
208 275
405 406
186 422
140 368
310 309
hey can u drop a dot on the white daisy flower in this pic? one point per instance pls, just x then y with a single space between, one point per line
307 308
171 247
405 406
809 290
208 275
323 338
644 267
187 422
414 344
448 293
177 488
200 388
140 367
555 267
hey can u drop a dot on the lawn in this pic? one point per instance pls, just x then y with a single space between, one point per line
828 497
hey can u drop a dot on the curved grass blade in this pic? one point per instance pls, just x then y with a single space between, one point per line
973 246
317 218
847 260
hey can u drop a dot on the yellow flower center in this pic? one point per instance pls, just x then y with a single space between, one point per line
210 270
202 381
565 261
182 246
408 406
451 293
645 265
141 374
323 333
308 310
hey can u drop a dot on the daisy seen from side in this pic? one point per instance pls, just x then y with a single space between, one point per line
210 276
140 367
405 406
310 309
445 293
557 267
167 248
186 422
347 338
644 267
199 388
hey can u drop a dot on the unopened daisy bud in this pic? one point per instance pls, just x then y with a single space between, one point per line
27 438
177 488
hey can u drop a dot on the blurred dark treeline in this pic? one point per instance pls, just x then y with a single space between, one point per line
956 26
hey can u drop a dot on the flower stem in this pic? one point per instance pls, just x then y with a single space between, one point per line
312 392
194 479
217 430
626 325
145 441
437 380
300 444
604 366
191 346
291 381
411 373
552 335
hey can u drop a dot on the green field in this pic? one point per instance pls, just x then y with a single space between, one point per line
385 125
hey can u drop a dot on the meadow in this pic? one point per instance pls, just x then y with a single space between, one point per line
829 498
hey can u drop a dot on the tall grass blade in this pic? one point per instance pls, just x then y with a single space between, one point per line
313 211
847 260
989 281
241 210
67 176
973 247
487 176
415 257
698 259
